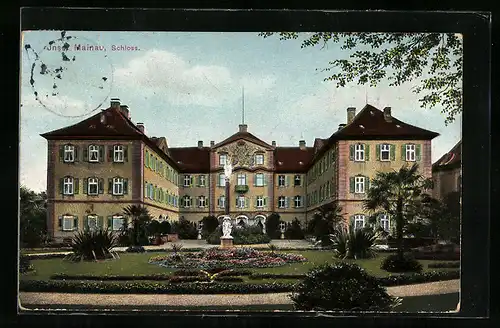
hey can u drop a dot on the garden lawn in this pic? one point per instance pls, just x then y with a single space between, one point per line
137 264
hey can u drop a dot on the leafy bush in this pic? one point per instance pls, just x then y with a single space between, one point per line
257 276
155 277
341 286
146 287
294 230
419 278
350 243
444 265
397 263
185 229
25 264
153 228
210 224
243 236
91 245
440 252
272 226
135 249
164 227
177 279
229 279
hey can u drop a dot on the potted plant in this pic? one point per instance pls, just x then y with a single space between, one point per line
173 235
164 230
154 232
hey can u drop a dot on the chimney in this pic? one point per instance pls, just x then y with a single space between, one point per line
387 114
341 126
125 110
273 143
351 112
243 128
115 103
302 144
212 143
141 127
200 144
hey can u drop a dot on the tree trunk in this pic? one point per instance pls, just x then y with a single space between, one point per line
399 227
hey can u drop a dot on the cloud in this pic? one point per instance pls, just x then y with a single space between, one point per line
163 72
61 104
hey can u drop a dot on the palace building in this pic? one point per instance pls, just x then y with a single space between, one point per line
106 162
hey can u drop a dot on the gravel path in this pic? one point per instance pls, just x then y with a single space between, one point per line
441 287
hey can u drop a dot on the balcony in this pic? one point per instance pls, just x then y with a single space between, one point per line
241 188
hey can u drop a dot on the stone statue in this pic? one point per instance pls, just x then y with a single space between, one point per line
226 228
228 167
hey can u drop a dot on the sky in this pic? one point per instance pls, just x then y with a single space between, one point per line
188 87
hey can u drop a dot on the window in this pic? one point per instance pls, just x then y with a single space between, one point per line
222 180
281 181
296 180
298 201
93 153
359 185
259 159
201 201
242 180
187 181
359 152
68 223
259 179
92 222
222 159
69 153
68 186
384 222
93 186
385 152
118 222
281 202
186 201
222 201
241 201
410 153
117 186
118 153
202 181
260 201
359 221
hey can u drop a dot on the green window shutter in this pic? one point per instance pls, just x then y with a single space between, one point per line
367 152
61 185
367 183
146 159
145 189
393 152
418 151
403 152
75 223
206 201
110 222
255 179
101 185
110 186
85 222
351 184
351 152
351 220
86 154
101 153
265 180
125 153
125 186
76 187
287 180
110 154
247 201
60 223
191 203
377 149
218 202
100 222
85 185
191 181
77 154
61 153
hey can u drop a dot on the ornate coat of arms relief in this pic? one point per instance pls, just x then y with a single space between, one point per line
241 153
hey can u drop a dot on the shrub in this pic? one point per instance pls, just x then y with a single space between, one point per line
350 243
243 236
155 277
210 224
228 279
418 278
294 230
164 227
341 286
25 264
176 247
397 263
177 279
444 265
185 229
257 276
135 249
153 228
272 226
91 245
188 272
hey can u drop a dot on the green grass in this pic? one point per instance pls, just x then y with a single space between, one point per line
137 264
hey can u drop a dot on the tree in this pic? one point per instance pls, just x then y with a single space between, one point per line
33 217
325 221
397 194
210 223
140 218
272 225
433 60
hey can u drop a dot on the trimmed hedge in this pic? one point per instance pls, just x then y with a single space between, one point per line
444 265
46 256
256 276
417 278
157 277
151 287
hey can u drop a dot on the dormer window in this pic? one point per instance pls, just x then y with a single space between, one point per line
93 153
259 159
69 153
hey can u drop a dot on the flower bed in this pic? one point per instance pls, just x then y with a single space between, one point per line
225 259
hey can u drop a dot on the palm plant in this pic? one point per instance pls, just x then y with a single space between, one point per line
351 243
91 245
325 221
397 194
273 248
139 216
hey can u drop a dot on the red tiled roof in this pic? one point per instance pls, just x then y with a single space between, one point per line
192 159
246 136
451 159
292 159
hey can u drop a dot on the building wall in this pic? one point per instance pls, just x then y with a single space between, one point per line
194 191
445 181
321 182
289 191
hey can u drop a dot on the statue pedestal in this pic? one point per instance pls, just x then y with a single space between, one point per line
226 242
282 235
